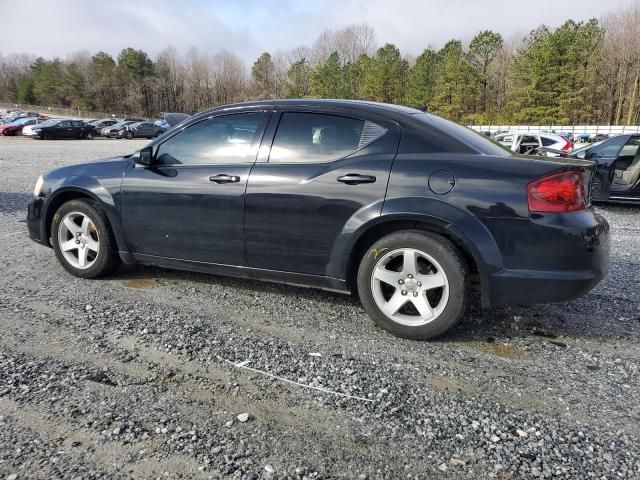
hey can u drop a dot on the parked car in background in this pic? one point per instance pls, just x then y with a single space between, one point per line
617 177
15 127
98 125
112 131
529 143
63 129
405 208
27 130
140 130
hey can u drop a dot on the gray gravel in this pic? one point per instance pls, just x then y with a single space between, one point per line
134 376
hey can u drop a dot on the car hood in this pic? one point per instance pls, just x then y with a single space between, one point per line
103 169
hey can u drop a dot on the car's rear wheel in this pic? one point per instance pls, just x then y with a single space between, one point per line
129 135
83 241
88 136
413 284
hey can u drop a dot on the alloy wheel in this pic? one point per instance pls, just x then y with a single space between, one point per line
78 240
410 287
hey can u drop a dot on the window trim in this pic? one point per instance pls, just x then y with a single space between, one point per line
278 120
257 141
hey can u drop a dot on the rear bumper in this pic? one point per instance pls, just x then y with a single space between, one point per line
35 222
566 257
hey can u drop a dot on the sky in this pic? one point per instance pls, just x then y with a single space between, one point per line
57 28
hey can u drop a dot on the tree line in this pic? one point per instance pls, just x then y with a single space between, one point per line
578 73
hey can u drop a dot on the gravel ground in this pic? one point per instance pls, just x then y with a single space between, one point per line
134 376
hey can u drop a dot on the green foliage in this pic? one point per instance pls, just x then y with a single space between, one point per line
554 75
298 80
263 74
328 79
386 76
421 84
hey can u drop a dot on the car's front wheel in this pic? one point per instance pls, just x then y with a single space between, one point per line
88 136
413 284
83 241
129 135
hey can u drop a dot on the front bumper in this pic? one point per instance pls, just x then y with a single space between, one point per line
558 258
35 222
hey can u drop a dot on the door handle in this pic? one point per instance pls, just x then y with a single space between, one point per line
224 178
356 178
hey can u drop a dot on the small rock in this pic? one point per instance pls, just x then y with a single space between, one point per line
522 433
88 307
13 476
443 467
229 424
116 431
315 354
269 469
495 438
216 450
243 417
593 368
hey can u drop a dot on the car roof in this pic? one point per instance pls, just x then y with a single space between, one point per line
374 107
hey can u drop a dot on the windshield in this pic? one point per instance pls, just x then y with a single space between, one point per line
466 135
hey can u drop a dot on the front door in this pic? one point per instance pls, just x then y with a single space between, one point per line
322 170
190 204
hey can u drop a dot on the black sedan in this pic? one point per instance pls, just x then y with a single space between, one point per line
618 173
63 129
407 209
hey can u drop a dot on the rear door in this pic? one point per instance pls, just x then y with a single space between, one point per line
190 204
321 170
64 129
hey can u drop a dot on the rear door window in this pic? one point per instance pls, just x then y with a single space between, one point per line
608 148
314 137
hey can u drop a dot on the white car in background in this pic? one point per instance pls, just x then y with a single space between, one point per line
528 143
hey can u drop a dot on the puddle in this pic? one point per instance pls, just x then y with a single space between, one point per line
141 283
503 350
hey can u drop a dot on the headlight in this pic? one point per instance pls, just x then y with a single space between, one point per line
35 130
38 188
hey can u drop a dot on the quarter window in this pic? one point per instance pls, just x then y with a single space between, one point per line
313 137
217 140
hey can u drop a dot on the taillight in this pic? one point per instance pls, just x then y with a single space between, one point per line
567 145
561 192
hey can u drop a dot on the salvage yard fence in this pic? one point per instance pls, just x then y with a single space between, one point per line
58 111
574 129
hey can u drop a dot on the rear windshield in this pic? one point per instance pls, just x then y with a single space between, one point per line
465 135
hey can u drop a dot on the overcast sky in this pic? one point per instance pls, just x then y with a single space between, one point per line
248 27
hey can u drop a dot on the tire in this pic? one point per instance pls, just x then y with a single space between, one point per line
49 136
128 135
439 265
96 242
88 136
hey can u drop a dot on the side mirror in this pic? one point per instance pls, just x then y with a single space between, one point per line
582 154
144 157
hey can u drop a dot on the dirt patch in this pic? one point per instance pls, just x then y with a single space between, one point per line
503 350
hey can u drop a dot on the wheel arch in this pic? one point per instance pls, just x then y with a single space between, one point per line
65 194
477 265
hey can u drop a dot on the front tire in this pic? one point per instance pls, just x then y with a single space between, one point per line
88 136
413 284
83 241
129 135
49 136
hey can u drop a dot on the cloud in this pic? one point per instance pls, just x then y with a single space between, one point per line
248 27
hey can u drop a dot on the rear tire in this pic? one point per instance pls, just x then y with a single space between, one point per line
83 241
88 136
128 135
413 284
